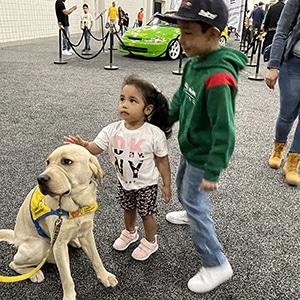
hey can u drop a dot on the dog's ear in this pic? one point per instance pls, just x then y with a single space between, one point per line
96 168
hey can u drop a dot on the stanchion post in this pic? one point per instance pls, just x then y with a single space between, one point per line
60 60
111 67
257 77
179 71
253 51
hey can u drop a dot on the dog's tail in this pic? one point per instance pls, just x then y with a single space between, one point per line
7 235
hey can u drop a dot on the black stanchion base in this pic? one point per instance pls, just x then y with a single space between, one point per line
60 62
251 65
113 48
111 68
177 72
256 77
86 52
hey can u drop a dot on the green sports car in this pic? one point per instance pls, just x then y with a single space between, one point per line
157 39
152 40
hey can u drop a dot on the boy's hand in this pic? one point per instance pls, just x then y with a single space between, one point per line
75 140
166 193
208 186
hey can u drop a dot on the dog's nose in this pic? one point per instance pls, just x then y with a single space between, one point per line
43 179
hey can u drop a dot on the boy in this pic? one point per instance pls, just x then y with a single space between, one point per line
140 17
86 22
204 106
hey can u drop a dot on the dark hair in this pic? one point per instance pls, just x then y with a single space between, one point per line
85 5
152 96
204 26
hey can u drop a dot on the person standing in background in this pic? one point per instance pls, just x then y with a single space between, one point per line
62 15
270 22
86 21
121 16
126 22
257 16
140 17
112 13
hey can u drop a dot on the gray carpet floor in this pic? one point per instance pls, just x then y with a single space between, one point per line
255 211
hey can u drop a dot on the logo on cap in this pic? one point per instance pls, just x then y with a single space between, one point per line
186 4
207 14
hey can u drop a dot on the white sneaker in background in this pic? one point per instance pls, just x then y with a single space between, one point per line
209 278
66 52
71 51
178 217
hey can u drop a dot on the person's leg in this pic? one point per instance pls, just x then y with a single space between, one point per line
130 219
65 40
289 87
289 77
198 209
216 268
179 217
150 226
88 38
129 235
147 208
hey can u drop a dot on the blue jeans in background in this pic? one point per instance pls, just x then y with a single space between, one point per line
66 45
198 209
289 86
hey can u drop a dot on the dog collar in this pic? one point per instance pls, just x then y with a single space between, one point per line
39 210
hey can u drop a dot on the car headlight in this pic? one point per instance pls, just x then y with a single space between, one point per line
155 40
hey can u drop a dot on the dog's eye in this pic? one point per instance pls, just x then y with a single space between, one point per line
66 161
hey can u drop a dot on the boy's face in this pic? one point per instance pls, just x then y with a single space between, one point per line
194 41
86 10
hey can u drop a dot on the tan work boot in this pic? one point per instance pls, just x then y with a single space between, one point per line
291 167
277 155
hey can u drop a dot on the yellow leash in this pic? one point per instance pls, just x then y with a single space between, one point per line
17 278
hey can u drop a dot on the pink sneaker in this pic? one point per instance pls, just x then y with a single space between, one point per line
125 239
145 249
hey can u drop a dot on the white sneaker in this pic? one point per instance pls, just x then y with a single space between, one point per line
71 51
66 52
209 278
178 217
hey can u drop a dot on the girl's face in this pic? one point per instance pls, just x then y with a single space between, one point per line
194 41
132 108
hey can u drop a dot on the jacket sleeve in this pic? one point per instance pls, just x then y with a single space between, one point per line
284 26
220 94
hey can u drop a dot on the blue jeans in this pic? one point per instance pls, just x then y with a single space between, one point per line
87 38
198 209
289 79
66 45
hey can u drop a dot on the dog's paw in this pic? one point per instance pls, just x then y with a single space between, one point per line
75 243
109 280
37 277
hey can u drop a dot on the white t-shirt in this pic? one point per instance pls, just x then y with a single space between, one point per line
86 20
132 152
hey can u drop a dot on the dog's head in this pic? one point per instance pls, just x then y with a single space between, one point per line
69 171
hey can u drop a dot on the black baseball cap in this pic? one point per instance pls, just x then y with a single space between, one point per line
211 12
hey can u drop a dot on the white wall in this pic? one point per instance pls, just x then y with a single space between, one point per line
30 19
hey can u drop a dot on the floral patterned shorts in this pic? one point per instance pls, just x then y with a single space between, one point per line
144 200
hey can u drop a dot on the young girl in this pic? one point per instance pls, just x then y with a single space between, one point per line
137 147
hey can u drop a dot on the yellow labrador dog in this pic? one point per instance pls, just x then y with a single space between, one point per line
67 183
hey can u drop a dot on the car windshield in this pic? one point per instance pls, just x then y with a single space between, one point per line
158 22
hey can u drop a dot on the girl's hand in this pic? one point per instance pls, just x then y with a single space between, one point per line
208 186
75 140
271 78
166 193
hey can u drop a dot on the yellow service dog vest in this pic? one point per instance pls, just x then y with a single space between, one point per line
40 210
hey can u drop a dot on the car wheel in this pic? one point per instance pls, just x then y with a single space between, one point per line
222 41
173 51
